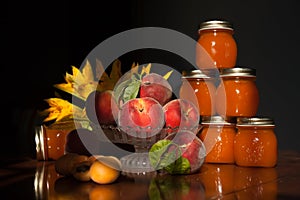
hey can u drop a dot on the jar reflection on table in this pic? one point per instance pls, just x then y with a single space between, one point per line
255 183
218 180
44 181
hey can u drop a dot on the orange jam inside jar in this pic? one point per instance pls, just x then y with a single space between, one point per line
237 94
218 137
216 38
200 89
255 143
55 136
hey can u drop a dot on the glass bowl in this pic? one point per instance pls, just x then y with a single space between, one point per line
139 137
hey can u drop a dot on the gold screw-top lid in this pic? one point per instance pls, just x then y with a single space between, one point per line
215 24
238 71
201 74
255 121
215 119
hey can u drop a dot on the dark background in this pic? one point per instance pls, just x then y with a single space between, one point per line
41 40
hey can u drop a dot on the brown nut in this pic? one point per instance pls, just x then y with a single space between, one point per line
65 164
82 171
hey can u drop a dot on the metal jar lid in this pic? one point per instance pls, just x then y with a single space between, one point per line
199 74
255 121
215 24
238 71
217 120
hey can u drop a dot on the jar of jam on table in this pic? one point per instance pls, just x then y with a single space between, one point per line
255 144
218 137
217 47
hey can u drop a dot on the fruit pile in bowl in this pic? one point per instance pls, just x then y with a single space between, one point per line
140 108
142 111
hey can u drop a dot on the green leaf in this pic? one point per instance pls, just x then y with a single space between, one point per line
165 154
119 90
128 88
132 90
157 152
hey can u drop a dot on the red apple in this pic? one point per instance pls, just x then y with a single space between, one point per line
101 107
156 86
181 113
140 113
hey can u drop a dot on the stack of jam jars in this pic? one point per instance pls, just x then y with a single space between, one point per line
228 98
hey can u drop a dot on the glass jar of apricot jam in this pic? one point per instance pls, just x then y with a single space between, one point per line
218 137
216 38
255 144
199 88
237 94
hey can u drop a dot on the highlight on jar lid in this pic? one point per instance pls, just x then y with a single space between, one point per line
216 119
215 24
201 74
238 71
255 121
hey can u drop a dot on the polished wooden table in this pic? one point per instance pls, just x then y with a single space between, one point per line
31 179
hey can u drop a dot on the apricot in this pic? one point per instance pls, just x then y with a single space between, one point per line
156 86
105 170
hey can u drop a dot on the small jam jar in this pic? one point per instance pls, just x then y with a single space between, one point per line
255 143
199 88
218 137
216 39
237 94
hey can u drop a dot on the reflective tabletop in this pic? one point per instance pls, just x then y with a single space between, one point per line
32 179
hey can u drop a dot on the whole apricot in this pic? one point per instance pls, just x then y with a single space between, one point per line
105 170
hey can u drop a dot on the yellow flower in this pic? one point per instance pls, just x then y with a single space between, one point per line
79 84
82 83
61 109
